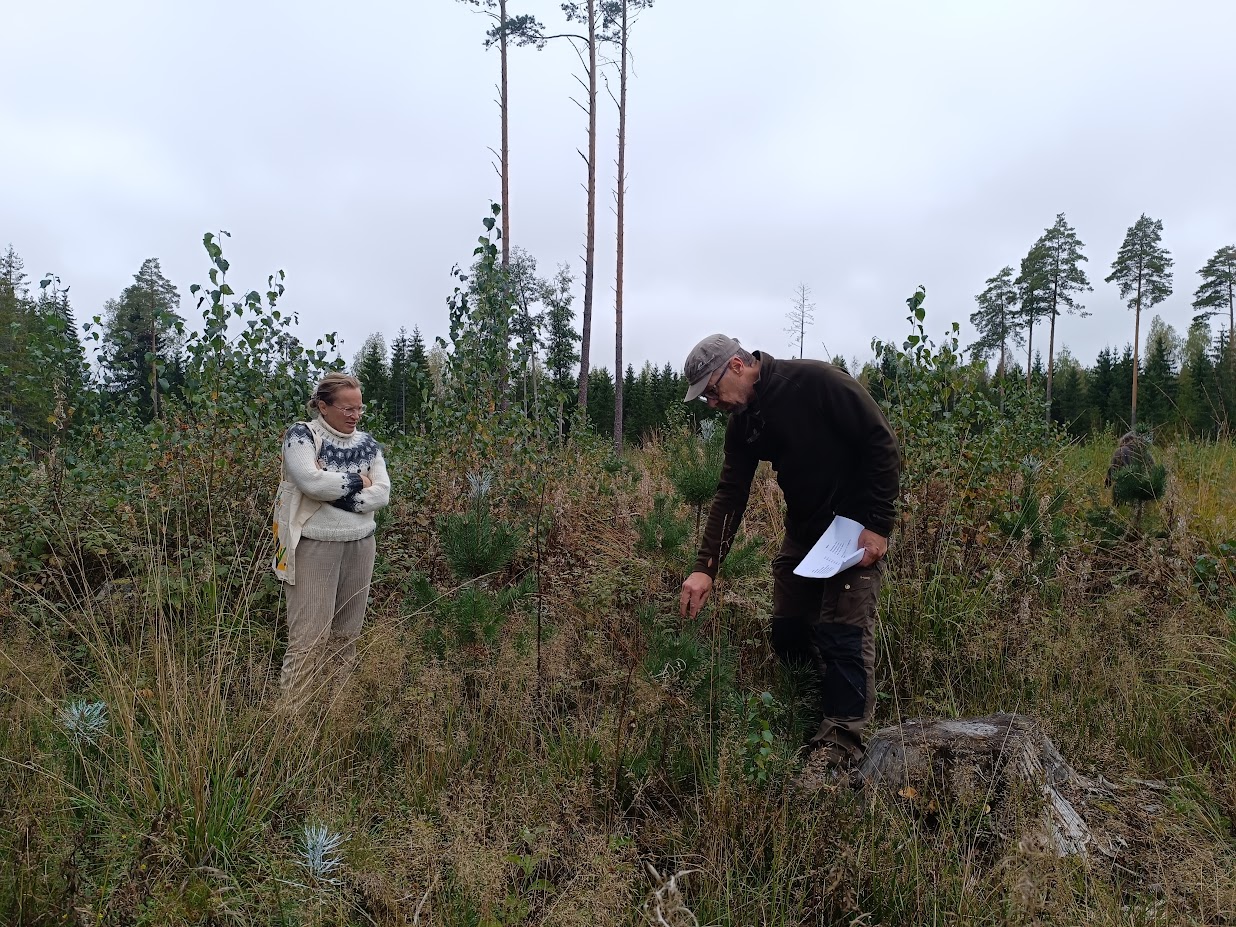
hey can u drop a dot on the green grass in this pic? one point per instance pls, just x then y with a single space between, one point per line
478 778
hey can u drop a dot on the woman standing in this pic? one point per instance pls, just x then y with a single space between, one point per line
342 468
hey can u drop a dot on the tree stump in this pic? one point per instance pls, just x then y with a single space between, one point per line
1001 765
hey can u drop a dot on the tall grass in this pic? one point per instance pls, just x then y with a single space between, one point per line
468 782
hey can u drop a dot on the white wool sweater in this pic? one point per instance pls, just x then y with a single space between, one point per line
333 476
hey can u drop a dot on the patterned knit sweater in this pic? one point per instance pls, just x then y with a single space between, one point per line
334 477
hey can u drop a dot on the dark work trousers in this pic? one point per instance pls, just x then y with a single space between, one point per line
829 624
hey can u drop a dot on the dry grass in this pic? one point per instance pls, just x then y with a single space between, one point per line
487 786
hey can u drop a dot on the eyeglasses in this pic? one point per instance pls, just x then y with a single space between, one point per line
358 411
710 391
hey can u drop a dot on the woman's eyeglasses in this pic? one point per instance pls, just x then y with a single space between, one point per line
358 411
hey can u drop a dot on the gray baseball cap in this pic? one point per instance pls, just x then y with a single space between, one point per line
705 359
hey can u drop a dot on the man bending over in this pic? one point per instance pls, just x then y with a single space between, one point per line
834 454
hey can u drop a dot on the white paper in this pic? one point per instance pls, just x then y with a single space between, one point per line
835 551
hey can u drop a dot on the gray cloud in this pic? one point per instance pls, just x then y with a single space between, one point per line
861 148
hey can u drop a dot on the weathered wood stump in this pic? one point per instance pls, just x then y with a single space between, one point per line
1001 764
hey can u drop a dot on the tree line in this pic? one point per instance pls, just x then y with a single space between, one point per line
1186 382
42 364
541 358
514 343
1050 282
513 339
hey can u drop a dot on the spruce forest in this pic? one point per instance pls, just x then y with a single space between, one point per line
532 735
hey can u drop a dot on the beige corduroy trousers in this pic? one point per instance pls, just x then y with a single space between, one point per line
326 612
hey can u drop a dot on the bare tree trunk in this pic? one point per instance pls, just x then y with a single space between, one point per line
621 196
1137 322
506 151
590 245
1051 350
798 317
1004 343
154 355
1231 321
1029 356
1051 336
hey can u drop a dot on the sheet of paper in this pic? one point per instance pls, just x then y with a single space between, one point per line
835 551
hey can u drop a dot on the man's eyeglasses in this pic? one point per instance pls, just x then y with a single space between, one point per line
710 391
358 411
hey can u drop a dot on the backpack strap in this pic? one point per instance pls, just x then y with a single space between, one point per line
317 446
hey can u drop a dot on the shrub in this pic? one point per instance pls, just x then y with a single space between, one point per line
1135 484
661 530
475 543
475 615
695 463
760 756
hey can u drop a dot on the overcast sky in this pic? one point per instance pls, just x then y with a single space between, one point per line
860 148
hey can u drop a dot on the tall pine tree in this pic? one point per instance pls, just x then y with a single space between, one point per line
620 16
597 30
995 320
1218 290
1033 300
1143 271
1061 270
1218 287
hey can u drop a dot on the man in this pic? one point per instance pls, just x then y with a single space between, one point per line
1133 450
834 454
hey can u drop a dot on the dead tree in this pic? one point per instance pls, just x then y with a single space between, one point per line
528 31
504 28
1001 764
622 10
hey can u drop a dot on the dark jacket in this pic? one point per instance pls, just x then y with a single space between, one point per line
832 448
1132 451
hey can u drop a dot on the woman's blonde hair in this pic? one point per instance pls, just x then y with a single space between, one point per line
328 387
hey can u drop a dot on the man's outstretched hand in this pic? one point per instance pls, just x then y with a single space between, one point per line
695 589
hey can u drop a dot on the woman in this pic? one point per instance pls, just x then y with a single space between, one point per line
342 468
